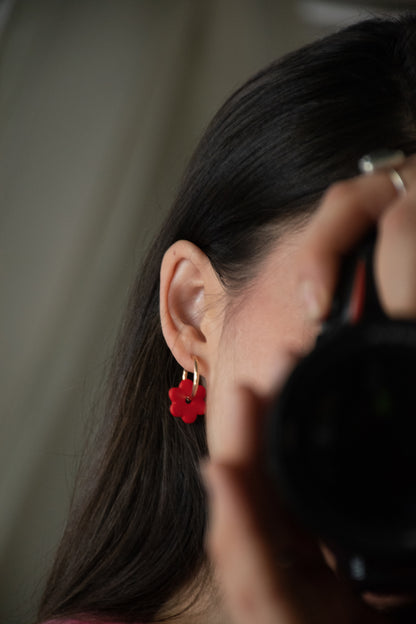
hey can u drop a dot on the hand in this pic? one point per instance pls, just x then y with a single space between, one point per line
348 209
268 569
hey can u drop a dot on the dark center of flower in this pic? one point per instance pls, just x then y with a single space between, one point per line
188 400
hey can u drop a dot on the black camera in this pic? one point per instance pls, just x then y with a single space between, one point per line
342 435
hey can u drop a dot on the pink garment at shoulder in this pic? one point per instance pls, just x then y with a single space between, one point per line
80 622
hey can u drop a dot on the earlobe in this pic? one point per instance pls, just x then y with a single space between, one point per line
187 283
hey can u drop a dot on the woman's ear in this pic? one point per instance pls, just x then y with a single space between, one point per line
191 305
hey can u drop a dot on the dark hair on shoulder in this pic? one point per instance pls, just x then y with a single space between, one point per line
134 537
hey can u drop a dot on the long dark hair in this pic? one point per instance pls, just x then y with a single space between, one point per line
134 537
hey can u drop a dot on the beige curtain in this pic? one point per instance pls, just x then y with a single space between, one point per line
101 103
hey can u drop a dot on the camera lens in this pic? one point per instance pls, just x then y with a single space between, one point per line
342 439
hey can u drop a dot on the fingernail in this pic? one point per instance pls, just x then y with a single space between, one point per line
312 300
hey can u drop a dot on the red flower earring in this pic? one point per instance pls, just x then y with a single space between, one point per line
188 400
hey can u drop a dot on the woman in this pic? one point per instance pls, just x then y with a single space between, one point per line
237 243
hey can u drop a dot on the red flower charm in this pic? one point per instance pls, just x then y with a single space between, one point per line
184 405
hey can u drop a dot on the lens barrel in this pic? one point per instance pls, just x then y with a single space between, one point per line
342 438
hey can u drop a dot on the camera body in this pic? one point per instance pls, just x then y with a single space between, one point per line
342 436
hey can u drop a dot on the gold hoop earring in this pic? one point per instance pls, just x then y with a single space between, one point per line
195 380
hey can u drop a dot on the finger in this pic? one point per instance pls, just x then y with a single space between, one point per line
239 553
348 209
395 258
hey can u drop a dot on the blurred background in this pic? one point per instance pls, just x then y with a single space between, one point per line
101 105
